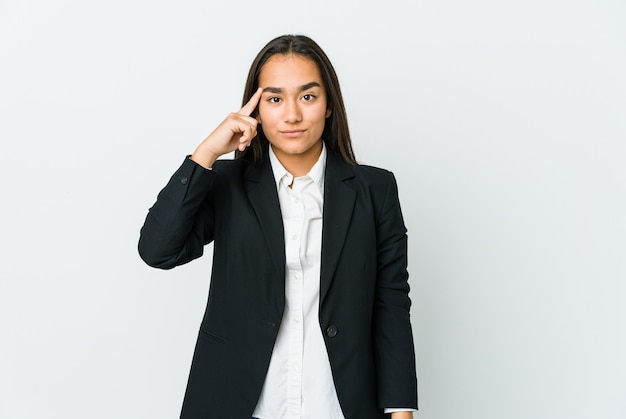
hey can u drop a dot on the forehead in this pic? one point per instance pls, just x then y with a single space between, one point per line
289 70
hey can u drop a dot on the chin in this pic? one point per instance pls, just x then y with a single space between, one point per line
292 147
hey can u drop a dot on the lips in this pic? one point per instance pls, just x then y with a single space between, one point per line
292 133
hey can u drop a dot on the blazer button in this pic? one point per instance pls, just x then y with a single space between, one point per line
183 180
331 331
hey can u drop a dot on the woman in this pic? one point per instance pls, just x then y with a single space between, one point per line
308 309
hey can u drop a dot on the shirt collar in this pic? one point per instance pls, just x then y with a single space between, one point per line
316 173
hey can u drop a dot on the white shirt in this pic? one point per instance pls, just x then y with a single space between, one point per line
299 382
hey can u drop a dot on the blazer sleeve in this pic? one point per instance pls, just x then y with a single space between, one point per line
393 337
181 221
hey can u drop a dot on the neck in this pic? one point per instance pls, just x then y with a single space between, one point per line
299 164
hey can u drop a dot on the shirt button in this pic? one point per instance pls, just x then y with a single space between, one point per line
296 276
331 332
183 180
294 237
296 200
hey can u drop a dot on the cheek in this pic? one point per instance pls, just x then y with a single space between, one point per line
322 114
263 115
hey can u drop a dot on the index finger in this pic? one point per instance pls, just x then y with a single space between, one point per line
249 107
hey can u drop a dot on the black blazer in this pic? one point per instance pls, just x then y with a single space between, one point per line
364 302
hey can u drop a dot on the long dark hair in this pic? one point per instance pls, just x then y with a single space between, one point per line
336 133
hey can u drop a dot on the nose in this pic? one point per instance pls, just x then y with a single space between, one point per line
292 112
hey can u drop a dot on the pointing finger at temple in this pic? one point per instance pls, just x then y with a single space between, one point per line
249 107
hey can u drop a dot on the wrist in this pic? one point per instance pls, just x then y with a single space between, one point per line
402 415
204 158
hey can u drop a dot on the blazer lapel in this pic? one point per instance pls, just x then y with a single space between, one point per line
339 201
261 188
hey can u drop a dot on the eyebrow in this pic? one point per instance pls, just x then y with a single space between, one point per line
301 88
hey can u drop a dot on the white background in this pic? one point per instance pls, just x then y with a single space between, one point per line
504 122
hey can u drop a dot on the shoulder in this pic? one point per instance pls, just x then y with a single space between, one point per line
374 177
372 172
382 189
368 179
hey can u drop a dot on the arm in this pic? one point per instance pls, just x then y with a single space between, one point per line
181 221
392 333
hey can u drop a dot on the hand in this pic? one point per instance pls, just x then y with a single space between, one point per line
402 415
235 132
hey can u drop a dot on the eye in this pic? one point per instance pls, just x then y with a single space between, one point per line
273 99
308 97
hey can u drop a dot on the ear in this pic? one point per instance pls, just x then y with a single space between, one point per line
329 112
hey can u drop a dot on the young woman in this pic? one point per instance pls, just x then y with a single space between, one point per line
308 309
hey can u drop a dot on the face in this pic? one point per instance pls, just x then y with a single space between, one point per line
293 108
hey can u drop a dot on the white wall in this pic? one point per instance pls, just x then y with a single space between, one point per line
505 123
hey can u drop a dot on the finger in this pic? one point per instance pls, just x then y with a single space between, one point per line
243 125
244 142
247 136
246 128
249 107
